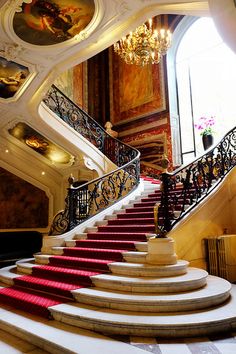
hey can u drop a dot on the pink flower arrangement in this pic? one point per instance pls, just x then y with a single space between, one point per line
205 125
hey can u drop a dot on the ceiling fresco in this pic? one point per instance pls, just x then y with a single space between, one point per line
50 22
40 144
12 76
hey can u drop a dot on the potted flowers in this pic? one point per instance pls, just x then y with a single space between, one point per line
205 125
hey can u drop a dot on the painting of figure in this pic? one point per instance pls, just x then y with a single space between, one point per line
41 144
47 22
12 76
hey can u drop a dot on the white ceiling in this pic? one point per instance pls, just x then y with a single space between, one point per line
112 20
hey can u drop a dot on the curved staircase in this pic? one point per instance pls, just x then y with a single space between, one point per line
101 281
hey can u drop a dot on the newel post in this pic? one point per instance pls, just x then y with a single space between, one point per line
165 186
71 196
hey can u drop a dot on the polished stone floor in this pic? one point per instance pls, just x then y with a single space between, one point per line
220 344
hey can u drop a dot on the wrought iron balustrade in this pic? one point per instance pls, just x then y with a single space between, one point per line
183 189
119 153
88 199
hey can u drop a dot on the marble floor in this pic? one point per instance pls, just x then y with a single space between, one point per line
220 344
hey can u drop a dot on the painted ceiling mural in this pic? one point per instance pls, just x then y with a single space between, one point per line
12 76
40 144
47 22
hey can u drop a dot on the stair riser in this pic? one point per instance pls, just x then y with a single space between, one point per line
49 290
107 245
148 306
113 256
144 273
148 288
130 221
123 228
118 236
167 330
135 215
139 210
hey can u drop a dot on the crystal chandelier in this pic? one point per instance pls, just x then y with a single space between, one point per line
143 46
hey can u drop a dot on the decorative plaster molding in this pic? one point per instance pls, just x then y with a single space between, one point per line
82 36
17 4
89 163
11 51
123 8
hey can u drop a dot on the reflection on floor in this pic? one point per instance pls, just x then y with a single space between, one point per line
218 344
221 344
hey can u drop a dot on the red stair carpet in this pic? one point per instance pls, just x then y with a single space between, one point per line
51 284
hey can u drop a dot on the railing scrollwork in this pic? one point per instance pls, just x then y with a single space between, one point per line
82 202
183 189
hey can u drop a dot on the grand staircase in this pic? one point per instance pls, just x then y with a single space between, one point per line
101 281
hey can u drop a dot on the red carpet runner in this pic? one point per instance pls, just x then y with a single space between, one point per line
51 284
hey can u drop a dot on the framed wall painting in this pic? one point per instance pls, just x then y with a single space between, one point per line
12 76
135 91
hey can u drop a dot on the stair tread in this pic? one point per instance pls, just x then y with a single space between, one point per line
73 258
64 270
105 250
191 275
151 266
154 320
30 279
215 286
55 337
142 268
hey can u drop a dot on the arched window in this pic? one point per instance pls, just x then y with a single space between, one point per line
201 80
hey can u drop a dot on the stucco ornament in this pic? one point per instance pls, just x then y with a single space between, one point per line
10 51
17 4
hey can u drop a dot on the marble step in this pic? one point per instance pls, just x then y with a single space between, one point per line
81 236
220 318
215 292
149 270
193 279
55 337
8 274
135 257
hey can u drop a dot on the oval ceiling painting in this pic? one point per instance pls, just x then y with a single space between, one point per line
50 22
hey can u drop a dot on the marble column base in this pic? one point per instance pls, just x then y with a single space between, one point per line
161 251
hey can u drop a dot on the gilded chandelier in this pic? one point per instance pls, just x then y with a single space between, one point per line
143 46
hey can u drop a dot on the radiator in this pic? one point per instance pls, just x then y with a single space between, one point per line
221 254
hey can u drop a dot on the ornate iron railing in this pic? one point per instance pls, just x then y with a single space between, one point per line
79 120
82 202
183 189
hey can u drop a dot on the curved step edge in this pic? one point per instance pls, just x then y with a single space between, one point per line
194 279
214 293
172 325
149 270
